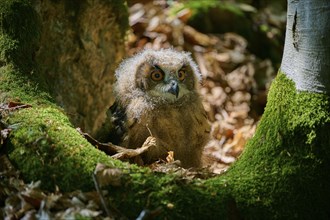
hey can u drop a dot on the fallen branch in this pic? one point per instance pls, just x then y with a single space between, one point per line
118 152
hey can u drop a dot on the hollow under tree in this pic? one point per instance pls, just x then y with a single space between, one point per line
282 173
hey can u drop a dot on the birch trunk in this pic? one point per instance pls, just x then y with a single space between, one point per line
306 58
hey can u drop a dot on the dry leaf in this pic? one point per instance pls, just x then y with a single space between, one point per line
108 176
170 157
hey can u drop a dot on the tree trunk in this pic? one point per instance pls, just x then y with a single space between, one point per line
282 172
81 44
306 57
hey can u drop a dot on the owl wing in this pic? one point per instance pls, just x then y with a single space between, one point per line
203 127
117 115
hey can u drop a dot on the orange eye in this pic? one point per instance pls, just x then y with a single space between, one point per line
157 75
181 75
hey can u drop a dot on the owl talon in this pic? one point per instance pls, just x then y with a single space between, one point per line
132 153
150 141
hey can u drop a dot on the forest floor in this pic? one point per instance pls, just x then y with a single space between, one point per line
234 91
235 81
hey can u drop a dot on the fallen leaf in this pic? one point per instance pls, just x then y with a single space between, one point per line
170 157
108 176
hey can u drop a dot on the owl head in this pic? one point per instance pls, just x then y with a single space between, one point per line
164 75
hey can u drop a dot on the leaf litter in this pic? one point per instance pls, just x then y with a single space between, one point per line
235 84
231 86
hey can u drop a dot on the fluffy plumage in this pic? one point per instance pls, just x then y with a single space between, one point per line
157 92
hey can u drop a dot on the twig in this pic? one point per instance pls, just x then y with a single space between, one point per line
149 130
147 214
108 148
118 152
97 187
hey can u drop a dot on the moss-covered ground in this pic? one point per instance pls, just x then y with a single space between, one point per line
283 172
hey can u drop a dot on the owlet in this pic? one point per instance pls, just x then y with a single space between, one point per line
157 94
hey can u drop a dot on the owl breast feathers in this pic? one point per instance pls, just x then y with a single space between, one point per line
157 94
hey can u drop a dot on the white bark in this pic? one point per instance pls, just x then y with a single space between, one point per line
306 57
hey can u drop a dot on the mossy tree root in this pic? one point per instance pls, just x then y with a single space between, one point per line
281 174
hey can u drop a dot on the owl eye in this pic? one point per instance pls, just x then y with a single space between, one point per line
181 75
157 75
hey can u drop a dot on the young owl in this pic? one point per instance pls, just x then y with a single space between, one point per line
157 95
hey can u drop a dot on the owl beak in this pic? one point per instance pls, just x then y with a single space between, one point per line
174 88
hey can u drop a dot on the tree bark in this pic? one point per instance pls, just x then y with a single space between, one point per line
282 172
306 56
81 44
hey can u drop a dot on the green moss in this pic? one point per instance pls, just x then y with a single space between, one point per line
281 174
19 38
284 163
203 6
43 144
179 199
19 33
17 86
45 147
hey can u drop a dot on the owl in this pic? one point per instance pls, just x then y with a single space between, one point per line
157 95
